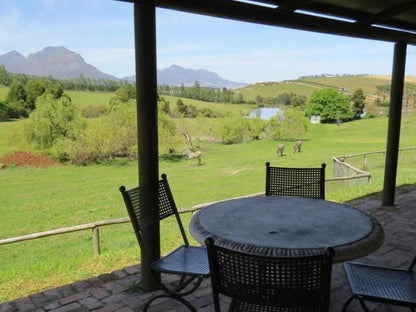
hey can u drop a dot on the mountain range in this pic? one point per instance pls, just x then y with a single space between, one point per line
62 63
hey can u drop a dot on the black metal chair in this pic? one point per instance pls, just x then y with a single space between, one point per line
295 182
269 283
189 262
381 284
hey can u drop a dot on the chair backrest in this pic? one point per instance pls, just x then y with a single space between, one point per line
300 283
166 208
295 182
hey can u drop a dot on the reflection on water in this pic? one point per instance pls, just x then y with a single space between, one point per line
264 113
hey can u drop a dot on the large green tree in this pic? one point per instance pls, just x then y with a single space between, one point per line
53 120
34 87
330 105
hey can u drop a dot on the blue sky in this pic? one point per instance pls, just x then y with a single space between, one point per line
102 32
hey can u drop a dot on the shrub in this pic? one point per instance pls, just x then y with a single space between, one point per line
94 111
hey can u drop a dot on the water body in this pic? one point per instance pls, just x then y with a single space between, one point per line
264 113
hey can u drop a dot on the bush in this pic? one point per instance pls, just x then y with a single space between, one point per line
291 124
94 111
52 120
233 130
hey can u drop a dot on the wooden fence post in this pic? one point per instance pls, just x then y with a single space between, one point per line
96 241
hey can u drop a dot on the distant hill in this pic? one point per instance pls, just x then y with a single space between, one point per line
62 63
176 75
58 62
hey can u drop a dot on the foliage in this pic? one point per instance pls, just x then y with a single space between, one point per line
91 111
5 78
358 102
383 92
330 105
3 111
197 92
53 120
233 130
256 128
109 136
55 88
34 88
291 124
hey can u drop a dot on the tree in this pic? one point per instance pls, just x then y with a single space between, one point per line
181 108
52 120
330 105
290 124
16 92
3 111
299 101
358 102
34 87
16 101
55 88
4 77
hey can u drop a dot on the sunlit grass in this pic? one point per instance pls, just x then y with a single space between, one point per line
35 200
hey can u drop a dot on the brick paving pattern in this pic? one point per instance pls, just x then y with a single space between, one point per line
117 291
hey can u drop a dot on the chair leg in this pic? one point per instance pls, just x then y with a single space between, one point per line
363 305
182 284
177 298
344 308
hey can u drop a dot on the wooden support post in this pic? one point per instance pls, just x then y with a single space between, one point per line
146 86
393 132
96 241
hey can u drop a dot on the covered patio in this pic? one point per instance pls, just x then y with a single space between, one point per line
117 291
392 21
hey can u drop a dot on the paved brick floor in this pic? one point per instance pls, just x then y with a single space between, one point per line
116 291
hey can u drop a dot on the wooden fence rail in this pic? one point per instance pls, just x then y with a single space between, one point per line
94 226
341 161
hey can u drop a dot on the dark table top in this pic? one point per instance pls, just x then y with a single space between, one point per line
274 225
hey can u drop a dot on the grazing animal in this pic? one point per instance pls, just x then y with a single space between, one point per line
194 155
280 148
171 150
298 145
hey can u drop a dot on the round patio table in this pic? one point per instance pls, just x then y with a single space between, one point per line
289 226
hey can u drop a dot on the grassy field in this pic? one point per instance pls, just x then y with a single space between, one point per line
43 199
86 98
306 86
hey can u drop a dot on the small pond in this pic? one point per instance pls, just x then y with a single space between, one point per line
264 113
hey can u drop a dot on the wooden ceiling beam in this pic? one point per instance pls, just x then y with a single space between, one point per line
293 5
388 13
246 12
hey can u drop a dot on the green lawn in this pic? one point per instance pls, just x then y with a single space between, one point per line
43 199
88 98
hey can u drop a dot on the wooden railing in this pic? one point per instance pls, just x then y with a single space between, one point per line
94 226
342 161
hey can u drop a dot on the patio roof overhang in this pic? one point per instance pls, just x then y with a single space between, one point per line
387 20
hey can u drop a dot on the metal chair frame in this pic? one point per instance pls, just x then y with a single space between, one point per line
270 283
381 284
295 182
189 262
